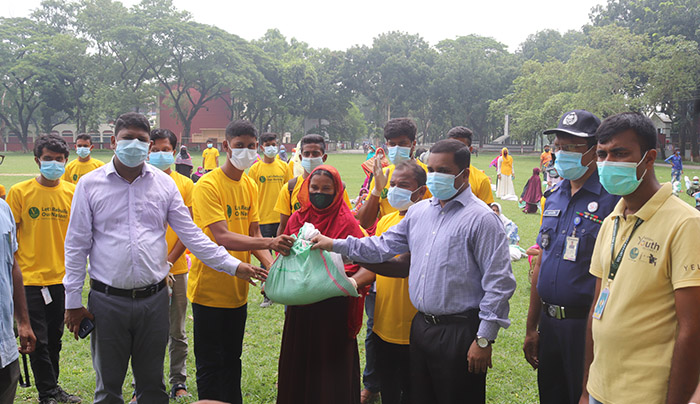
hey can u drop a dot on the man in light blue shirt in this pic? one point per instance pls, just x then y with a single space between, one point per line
12 301
460 279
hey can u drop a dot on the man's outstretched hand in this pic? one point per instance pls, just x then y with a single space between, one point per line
282 244
322 242
249 273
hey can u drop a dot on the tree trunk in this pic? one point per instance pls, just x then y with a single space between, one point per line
186 129
694 116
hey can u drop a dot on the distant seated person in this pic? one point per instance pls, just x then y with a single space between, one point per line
697 200
198 174
510 226
532 193
551 175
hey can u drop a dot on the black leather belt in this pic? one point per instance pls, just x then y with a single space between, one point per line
449 318
139 293
561 312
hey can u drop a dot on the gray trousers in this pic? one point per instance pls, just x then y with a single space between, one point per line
9 376
135 329
178 338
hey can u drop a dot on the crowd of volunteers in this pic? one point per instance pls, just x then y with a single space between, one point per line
421 258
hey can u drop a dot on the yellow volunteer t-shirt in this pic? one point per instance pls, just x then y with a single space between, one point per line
2 192
76 169
633 341
185 186
393 310
210 156
270 179
480 185
286 205
215 198
42 215
384 207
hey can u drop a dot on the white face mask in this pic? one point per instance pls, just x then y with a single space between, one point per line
243 158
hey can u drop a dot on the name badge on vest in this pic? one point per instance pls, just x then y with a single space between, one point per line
551 213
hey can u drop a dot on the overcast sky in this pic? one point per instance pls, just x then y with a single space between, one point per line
339 25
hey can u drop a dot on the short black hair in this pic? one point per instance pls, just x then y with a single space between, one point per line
52 142
211 139
642 126
400 127
417 171
459 150
84 136
460 132
131 120
312 139
241 127
268 136
162 133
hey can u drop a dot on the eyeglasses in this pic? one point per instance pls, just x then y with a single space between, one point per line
568 147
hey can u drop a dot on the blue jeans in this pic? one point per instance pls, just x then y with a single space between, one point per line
675 175
370 377
592 400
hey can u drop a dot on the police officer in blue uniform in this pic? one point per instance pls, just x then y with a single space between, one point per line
562 289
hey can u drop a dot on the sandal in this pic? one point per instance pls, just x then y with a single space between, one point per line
179 387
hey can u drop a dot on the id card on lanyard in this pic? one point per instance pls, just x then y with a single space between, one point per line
615 261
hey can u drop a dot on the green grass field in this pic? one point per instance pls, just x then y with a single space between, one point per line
510 381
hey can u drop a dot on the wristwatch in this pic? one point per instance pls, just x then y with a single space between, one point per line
482 342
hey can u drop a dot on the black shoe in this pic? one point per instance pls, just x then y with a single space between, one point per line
63 397
48 400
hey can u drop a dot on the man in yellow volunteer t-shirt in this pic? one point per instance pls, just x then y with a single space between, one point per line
644 321
313 154
41 207
84 163
478 181
400 136
393 310
162 156
210 156
225 206
270 174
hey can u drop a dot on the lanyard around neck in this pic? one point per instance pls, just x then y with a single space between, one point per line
616 260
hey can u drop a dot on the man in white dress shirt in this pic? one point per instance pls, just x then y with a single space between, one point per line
119 216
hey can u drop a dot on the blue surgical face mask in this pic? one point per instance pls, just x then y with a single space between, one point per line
620 178
161 160
397 154
310 163
270 151
210 145
82 151
132 152
568 164
400 198
442 185
52 170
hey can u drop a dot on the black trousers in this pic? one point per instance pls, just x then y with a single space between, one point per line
47 324
269 230
561 355
439 368
393 367
9 376
218 344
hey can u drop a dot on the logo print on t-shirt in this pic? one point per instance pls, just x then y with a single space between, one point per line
262 178
228 210
634 253
33 213
297 206
75 177
385 192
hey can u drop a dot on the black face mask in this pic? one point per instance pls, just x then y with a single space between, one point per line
321 201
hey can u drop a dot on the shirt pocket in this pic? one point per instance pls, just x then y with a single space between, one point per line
152 214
